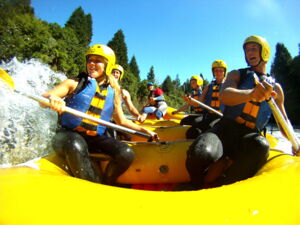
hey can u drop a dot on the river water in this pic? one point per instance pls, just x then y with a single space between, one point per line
26 129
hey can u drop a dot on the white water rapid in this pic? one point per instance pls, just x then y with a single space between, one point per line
26 129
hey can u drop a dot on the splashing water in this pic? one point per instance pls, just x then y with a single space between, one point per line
283 143
26 129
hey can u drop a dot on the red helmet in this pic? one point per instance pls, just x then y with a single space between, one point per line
158 92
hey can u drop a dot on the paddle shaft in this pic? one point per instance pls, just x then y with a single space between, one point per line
207 107
285 124
77 113
187 114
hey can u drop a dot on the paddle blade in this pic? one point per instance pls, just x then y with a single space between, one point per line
5 78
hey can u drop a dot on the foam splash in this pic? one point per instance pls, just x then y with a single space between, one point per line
26 129
283 143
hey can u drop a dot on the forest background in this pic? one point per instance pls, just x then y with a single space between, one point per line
24 36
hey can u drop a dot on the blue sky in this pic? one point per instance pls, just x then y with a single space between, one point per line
184 36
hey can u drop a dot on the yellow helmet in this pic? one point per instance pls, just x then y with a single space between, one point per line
265 47
104 51
198 79
219 63
120 68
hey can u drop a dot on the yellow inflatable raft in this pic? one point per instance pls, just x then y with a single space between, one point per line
46 194
160 123
43 193
165 133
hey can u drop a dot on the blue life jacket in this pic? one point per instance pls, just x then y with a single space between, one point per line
251 114
93 100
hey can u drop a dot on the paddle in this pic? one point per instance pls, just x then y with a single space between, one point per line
285 124
186 114
207 107
10 83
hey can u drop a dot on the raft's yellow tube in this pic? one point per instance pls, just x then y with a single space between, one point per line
50 196
165 133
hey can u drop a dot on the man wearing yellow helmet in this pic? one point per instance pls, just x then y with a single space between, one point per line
196 83
97 94
118 73
235 145
210 97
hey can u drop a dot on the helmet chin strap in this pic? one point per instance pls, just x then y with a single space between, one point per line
256 64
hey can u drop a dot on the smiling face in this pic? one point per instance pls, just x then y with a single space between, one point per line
96 66
194 84
116 74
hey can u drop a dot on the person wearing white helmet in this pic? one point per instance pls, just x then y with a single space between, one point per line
234 148
95 93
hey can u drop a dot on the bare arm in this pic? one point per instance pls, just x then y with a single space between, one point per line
56 94
64 88
229 94
127 99
121 120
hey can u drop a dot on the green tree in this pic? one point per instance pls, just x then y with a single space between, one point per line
12 27
151 75
177 82
280 66
26 37
186 87
286 71
11 8
82 25
142 92
67 53
292 93
131 84
167 85
133 67
120 48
